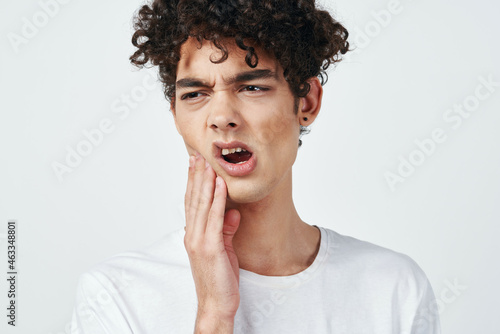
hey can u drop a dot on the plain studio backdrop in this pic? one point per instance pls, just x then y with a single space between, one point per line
405 152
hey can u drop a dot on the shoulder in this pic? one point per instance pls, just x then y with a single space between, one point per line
164 257
127 291
367 259
379 277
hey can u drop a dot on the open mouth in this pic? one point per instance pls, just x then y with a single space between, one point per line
235 158
236 155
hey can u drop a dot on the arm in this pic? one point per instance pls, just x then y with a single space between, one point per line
426 320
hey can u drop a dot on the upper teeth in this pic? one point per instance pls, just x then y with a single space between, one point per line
226 151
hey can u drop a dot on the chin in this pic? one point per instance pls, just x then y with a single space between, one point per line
240 192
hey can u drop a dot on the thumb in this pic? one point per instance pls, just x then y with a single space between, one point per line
231 224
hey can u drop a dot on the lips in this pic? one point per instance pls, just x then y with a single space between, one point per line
234 166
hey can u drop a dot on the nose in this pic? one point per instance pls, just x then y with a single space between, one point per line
224 112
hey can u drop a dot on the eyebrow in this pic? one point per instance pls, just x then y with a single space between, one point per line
240 77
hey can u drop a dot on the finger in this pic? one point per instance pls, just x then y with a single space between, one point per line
189 187
216 214
205 199
192 206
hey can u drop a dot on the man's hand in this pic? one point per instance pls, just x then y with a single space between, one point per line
208 241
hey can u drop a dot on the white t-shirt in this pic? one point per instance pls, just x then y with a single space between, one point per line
351 287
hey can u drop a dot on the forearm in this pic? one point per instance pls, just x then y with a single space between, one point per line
213 325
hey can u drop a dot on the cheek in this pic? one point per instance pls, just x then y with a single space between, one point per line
189 124
279 131
188 130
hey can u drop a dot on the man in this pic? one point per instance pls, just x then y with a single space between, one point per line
244 78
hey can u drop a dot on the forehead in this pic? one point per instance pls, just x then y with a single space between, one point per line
198 59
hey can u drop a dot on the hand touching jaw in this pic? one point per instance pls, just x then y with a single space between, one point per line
208 242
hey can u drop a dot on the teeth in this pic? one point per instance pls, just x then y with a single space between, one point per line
226 151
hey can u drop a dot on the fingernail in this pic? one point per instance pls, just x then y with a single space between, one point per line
198 155
191 161
218 181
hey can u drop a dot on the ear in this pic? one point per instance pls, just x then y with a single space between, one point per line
172 109
310 104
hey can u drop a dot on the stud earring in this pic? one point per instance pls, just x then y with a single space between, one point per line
305 119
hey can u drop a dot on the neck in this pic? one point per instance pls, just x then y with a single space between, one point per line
272 240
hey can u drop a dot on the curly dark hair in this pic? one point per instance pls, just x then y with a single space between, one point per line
304 40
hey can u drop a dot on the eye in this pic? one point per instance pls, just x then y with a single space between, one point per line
252 88
191 95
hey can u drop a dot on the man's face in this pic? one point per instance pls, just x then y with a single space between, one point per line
226 106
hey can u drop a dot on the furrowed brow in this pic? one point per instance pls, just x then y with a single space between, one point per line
251 75
190 83
240 77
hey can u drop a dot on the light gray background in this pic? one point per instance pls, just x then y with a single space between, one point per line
394 89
